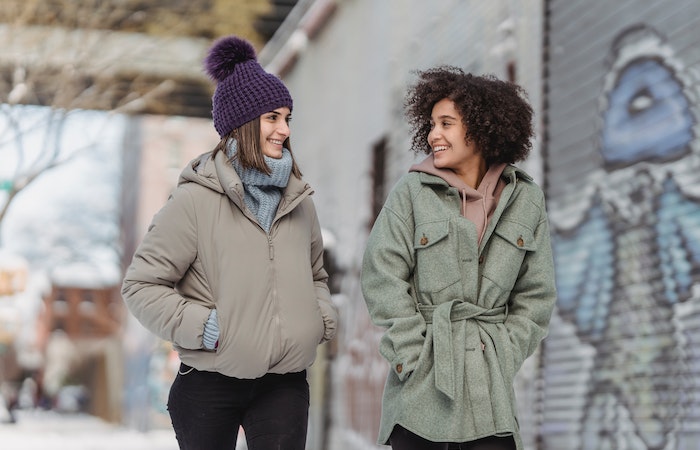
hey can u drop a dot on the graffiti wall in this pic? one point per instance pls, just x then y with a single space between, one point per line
621 367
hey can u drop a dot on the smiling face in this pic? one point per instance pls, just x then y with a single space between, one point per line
447 140
274 130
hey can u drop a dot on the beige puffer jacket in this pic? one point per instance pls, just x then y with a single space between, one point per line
205 250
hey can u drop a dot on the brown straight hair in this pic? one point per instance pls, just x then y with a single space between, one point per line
248 148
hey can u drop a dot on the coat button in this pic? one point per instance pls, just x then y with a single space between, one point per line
399 368
481 259
424 240
521 242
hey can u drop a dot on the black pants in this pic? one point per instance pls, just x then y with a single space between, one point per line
402 439
207 409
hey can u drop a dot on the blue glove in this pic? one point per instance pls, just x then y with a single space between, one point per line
210 338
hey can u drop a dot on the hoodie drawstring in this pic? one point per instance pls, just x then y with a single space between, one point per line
464 202
483 209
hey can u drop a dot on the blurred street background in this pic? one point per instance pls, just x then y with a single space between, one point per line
103 102
41 429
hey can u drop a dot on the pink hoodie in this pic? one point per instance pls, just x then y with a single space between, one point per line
477 204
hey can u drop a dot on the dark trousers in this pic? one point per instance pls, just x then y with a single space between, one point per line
402 439
207 409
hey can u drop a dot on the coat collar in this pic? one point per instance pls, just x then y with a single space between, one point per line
510 174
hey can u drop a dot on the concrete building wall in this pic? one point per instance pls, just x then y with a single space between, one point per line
350 65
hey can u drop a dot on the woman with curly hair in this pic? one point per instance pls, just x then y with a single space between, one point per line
458 267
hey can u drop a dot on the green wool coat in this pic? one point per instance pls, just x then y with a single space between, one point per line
459 318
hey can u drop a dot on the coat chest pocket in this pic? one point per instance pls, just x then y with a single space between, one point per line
506 251
436 262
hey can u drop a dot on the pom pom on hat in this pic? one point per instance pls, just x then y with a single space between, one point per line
225 54
244 90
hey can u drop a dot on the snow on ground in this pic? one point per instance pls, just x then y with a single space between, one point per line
39 430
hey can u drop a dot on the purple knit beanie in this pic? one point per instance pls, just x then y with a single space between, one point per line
244 90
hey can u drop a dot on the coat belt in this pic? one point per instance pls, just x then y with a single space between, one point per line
442 316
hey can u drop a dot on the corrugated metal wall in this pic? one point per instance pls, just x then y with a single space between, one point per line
622 151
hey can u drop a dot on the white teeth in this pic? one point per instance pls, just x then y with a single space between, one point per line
276 142
439 148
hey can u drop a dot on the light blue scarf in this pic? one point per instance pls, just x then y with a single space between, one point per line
263 192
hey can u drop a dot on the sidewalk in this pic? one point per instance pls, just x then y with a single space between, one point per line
41 430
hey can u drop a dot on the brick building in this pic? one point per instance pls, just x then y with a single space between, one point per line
84 312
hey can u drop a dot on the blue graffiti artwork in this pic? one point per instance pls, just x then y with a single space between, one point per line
623 271
648 117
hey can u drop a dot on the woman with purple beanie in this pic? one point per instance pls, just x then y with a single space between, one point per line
231 271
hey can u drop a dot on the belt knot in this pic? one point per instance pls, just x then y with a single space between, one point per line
442 316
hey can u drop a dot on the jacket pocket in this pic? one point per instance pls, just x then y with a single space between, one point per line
436 261
506 252
424 364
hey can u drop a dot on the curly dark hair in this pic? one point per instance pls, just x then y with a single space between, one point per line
496 113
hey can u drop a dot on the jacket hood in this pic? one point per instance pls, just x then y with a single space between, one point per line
202 171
